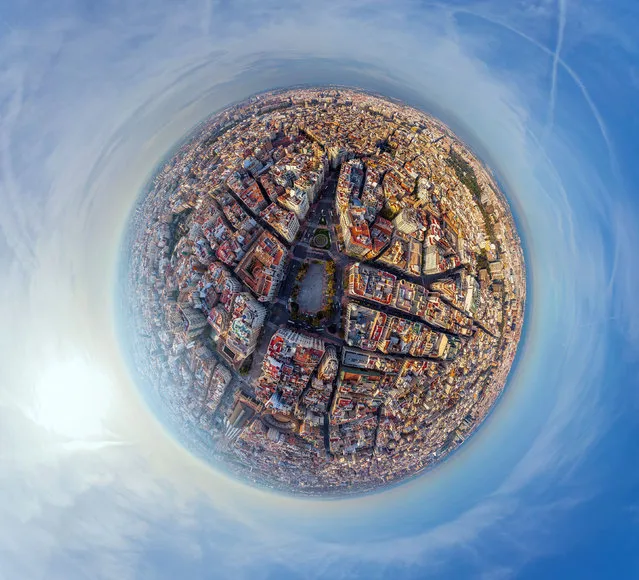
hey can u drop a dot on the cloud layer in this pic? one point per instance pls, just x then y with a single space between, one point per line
91 99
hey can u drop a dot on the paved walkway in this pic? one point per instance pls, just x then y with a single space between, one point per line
312 292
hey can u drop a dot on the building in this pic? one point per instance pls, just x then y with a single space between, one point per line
295 200
262 269
291 358
328 366
364 326
349 183
408 221
411 298
355 232
252 197
194 321
241 415
246 321
496 270
225 284
252 165
218 320
273 190
381 232
283 221
370 283
220 379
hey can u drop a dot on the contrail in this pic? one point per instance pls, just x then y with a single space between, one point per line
573 75
556 58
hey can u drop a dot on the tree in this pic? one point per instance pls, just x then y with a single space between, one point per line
246 366
388 212
482 260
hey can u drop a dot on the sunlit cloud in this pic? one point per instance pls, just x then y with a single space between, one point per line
72 400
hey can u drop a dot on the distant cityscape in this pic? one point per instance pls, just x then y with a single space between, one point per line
326 291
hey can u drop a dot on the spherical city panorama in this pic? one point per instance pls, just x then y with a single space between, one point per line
327 291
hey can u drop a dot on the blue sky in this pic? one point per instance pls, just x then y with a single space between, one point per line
93 95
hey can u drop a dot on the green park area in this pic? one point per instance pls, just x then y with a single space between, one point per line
321 239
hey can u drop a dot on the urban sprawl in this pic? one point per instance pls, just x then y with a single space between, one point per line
327 290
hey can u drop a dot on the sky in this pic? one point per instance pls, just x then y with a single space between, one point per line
93 95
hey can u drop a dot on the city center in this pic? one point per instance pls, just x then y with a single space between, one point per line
327 291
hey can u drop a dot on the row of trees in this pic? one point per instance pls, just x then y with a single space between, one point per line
466 174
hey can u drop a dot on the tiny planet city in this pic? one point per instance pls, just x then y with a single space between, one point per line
325 291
